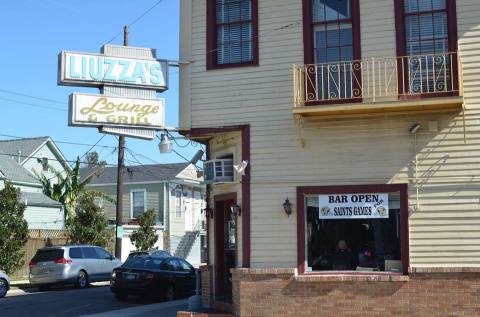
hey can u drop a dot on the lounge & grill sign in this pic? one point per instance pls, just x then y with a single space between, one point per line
99 110
353 206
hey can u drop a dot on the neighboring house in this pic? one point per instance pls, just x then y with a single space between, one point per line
343 109
174 191
18 161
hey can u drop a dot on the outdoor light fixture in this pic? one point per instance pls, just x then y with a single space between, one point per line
165 146
287 207
414 128
236 210
208 212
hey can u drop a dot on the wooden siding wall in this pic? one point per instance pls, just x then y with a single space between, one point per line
154 198
444 229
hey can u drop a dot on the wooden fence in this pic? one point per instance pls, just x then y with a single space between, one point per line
37 239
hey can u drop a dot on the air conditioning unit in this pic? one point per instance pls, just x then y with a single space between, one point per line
218 171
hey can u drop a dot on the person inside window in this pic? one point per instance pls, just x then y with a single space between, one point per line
343 258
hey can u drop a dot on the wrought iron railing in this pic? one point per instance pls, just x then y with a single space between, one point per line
377 79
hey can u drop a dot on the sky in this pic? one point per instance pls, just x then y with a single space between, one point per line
33 32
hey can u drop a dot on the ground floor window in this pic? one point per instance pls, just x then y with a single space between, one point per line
353 232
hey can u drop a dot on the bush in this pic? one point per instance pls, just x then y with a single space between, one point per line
89 224
145 237
13 229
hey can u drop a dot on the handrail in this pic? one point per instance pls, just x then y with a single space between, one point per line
377 79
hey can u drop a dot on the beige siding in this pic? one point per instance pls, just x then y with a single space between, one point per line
444 219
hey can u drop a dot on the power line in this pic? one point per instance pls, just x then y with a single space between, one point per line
33 105
57 141
50 159
11 92
136 20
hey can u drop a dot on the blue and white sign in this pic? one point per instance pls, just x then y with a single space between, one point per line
87 69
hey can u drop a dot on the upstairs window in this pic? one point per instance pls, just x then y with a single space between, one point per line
138 202
427 43
232 33
332 50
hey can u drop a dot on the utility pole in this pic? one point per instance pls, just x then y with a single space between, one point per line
120 173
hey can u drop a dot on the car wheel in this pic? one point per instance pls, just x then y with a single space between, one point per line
170 293
3 287
121 296
82 280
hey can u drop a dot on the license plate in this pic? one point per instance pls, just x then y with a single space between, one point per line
130 276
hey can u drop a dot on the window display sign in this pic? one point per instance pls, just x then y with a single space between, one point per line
99 110
353 206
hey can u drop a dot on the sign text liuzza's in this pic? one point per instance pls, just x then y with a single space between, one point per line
87 69
101 110
351 206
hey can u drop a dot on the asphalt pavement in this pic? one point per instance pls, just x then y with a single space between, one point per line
96 301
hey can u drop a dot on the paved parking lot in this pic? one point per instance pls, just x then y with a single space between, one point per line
97 301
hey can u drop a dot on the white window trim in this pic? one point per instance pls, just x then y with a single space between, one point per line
175 202
144 200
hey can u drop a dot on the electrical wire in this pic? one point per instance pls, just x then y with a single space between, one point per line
50 159
11 92
135 20
33 105
56 141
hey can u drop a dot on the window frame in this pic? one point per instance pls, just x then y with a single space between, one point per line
211 53
309 46
144 190
401 49
303 192
178 213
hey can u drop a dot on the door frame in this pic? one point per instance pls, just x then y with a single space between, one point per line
219 223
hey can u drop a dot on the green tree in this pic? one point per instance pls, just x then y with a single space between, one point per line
89 224
145 237
13 229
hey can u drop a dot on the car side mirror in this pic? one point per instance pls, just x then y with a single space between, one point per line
111 258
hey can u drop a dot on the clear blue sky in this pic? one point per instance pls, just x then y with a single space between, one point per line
33 32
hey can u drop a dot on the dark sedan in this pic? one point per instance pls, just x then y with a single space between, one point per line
168 278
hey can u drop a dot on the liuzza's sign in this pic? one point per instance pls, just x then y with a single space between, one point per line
101 110
353 206
87 69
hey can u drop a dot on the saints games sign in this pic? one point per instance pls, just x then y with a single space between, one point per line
353 206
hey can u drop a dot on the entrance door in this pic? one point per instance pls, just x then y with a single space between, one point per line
225 247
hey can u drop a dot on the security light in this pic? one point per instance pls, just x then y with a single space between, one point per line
414 128
240 168
165 146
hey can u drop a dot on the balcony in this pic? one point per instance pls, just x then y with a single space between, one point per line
379 85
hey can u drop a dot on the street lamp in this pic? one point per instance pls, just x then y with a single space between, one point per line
165 145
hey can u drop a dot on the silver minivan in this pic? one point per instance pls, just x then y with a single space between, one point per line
78 264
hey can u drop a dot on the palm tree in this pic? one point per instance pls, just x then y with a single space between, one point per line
68 188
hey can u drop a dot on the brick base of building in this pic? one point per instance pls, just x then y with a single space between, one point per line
283 293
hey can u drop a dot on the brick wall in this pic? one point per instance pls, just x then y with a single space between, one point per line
282 293
206 278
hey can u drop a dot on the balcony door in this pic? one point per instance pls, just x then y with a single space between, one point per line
332 50
427 47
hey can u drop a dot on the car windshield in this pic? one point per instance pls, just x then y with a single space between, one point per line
47 255
142 262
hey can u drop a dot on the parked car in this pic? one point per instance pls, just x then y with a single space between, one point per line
154 277
4 284
77 264
153 253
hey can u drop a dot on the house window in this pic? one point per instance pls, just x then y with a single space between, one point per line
138 200
232 33
426 36
355 228
332 43
45 164
178 203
